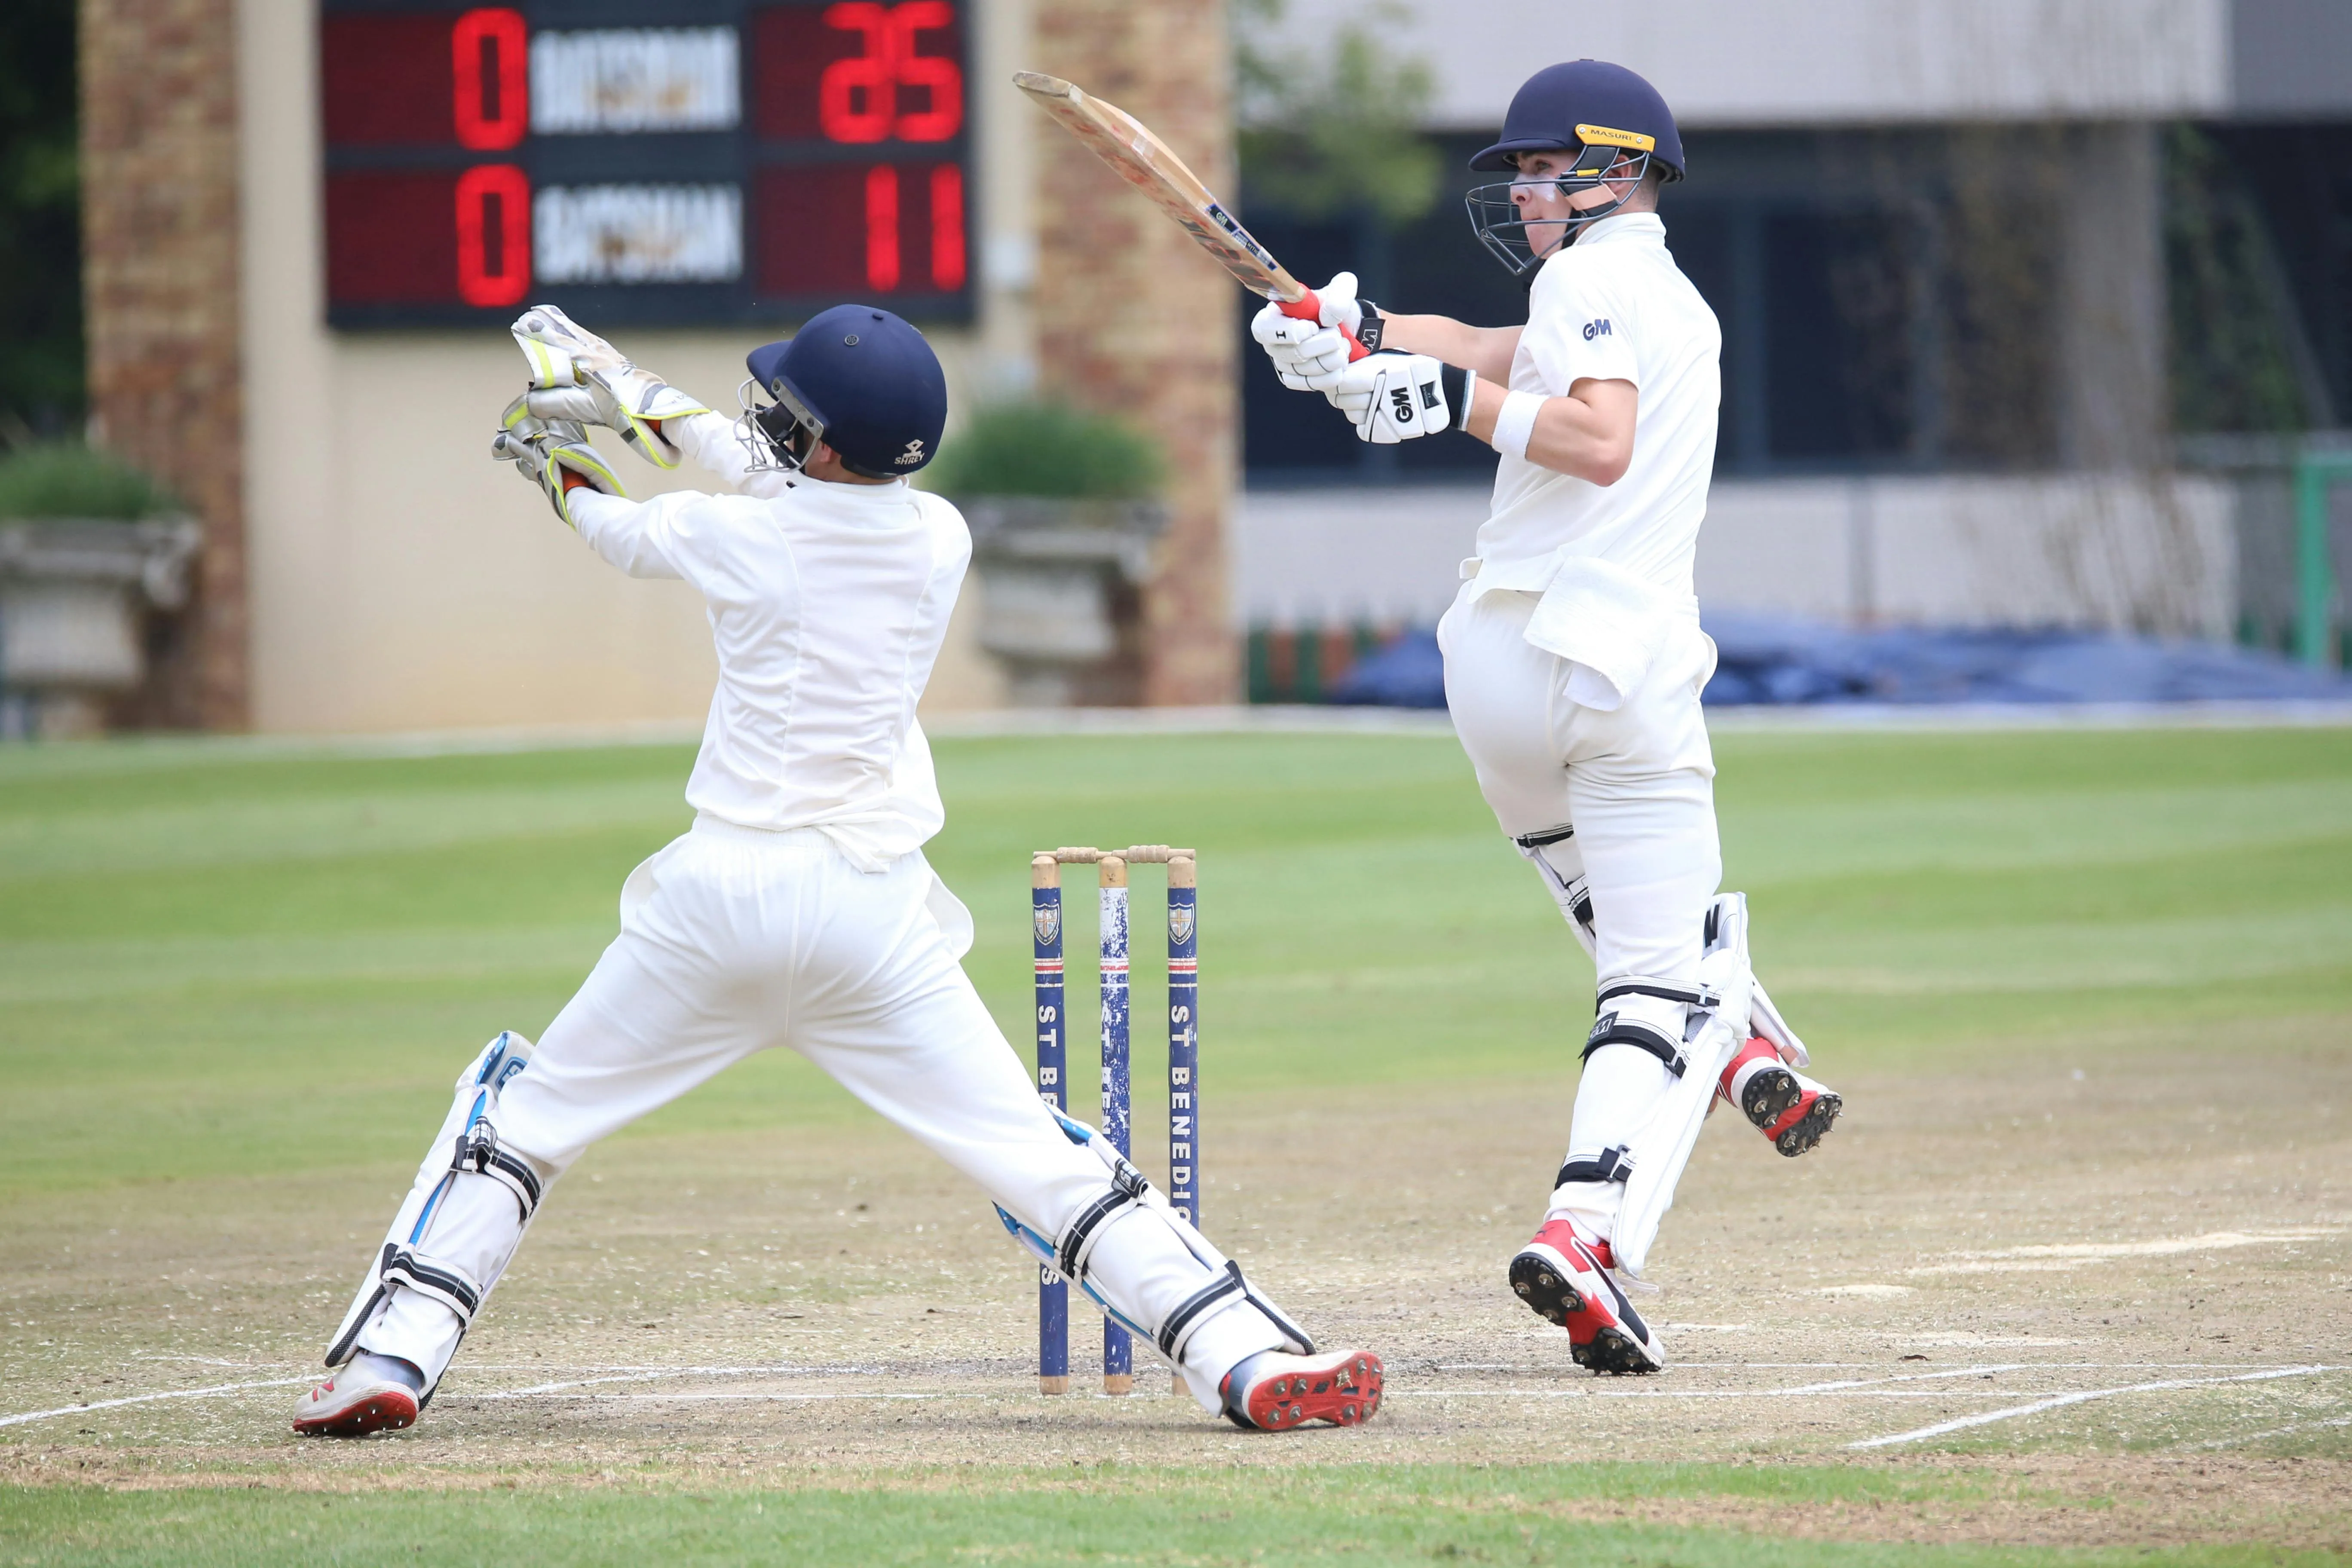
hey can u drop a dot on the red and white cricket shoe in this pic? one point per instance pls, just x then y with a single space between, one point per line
1785 1105
354 1403
1286 1391
1566 1279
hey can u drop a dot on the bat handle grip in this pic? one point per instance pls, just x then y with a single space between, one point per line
1308 308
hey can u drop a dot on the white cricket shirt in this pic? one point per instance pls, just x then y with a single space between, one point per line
828 604
1614 307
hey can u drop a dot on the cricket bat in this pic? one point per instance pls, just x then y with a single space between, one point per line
1143 161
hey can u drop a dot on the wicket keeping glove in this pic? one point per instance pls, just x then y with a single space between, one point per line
1392 398
554 455
578 377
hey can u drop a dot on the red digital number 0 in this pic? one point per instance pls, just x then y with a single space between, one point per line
489 79
493 235
888 63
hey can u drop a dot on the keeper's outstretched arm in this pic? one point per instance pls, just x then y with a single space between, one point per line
631 535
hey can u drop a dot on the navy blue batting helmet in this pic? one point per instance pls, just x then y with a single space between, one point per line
1559 107
1605 115
859 379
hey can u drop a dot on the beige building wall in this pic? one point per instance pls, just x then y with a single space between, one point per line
398 578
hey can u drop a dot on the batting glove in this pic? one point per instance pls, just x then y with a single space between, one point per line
554 455
1309 355
1392 398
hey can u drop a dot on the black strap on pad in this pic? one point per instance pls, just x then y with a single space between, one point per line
1222 1287
1609 1030
1127 1189
1612 1165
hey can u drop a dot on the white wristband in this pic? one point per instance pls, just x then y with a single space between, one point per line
1516 423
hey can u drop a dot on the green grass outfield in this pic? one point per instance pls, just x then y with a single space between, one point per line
206 949
1417 1514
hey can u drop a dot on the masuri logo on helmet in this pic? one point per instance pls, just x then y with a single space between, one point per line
1601 112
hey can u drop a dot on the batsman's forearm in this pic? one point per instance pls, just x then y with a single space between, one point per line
1487 350
1588 435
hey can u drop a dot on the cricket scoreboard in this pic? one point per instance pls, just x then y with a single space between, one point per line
669 161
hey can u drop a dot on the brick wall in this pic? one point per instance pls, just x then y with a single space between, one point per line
1133 318
159 148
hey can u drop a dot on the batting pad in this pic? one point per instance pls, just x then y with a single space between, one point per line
1661 1148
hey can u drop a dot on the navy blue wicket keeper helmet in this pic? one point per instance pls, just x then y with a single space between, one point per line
856 378
1604 114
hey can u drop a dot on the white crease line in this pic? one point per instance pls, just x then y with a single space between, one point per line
147 1398
2061 1257
1396 1393
593 1369
1989 1370
752 1398
1957 1423
649 1375
2277 1432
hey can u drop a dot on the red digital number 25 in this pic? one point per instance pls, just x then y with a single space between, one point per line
890 62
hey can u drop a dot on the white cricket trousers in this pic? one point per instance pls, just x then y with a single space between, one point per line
734 939
1637 785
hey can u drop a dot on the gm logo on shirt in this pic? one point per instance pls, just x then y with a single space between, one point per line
1599 328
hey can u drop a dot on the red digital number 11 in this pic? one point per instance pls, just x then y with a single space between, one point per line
882 262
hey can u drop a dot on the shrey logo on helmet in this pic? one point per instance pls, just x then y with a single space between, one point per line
1607 118
912 458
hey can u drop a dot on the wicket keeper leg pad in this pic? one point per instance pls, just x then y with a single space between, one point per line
456 1231
1129 1198
1716 1027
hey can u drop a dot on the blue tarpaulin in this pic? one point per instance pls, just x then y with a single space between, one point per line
1780 661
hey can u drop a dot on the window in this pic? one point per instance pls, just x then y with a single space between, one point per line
1865 288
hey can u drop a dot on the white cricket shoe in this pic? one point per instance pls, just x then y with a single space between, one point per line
363 1398
1279 1390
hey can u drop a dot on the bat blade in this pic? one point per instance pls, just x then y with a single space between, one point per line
1145 161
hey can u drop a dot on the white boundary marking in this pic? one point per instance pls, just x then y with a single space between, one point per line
1959 1422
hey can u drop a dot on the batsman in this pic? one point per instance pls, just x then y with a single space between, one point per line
1574 657
798 911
